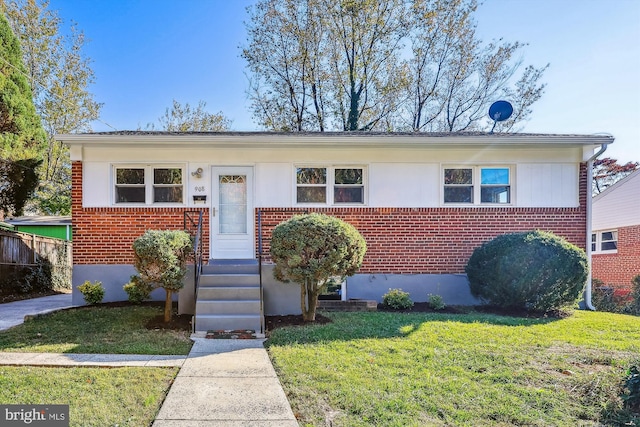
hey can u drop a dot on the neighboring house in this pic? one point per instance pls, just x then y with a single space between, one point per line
615 239
423 202
47 226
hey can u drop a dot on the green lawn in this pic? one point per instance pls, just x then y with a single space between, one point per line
110 330
389 369
96 396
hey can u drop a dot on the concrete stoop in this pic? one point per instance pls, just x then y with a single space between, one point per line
229 297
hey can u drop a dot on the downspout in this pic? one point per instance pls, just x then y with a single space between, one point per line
587 292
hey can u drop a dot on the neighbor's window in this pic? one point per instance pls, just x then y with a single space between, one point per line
330 185
468 185
147 185
604 241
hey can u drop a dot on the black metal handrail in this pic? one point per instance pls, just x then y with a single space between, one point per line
193 226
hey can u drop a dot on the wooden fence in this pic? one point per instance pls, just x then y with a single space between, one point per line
23 250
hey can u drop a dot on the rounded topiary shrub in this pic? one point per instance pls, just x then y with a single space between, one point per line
534 270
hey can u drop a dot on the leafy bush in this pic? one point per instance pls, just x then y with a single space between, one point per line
603 297
93 293
311 250
397 299
160 256
631 396
436 302
26 279
634 305
137 290
534 270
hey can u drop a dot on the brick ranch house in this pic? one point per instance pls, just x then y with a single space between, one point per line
615 239
423 202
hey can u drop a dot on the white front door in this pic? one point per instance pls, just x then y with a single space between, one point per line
232 213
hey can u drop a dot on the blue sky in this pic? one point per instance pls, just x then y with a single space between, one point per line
147 52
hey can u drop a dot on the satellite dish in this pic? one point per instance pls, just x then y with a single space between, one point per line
499 111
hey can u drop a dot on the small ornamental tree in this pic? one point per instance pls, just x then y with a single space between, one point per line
160 258
310 250
534 270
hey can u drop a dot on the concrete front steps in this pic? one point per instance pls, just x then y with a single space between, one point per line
229 296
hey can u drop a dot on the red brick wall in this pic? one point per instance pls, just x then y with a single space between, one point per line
618 269
438 240
399 240
105 235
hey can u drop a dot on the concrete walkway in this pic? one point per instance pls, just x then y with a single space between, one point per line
226 383
12 313
221 383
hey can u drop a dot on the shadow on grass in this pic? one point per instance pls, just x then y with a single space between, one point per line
347 326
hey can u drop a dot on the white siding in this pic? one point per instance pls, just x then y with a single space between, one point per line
618 206
403 177
403 185
547 185
274 184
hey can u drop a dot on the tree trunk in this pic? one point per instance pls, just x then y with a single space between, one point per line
309 300
167 306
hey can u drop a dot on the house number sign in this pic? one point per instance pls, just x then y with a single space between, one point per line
199 188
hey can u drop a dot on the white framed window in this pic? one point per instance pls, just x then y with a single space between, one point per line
330 185
149 184
476 185
604 241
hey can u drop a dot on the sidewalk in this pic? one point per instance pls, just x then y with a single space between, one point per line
226 383
12 313
221 383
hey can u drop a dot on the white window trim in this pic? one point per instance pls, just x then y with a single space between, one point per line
598 242
148 183
330 185
476 183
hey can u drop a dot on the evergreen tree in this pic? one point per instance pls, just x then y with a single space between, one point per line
22 137
21 132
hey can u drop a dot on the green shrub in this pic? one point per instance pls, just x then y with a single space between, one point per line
436 302
137 290
311 250
160 256
634 304
534 270
631 396
397 299
93 293
603 297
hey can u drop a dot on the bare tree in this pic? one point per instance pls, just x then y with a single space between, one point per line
381 65
184 118
608 171
284 55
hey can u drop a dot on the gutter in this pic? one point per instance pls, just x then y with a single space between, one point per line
588 289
